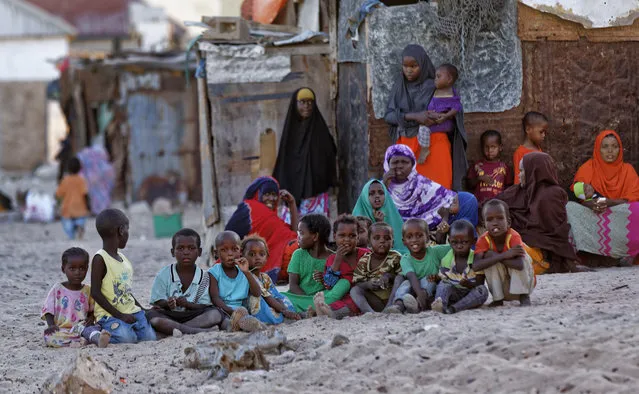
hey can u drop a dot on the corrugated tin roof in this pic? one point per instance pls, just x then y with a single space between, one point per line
92 18
21 19
590 13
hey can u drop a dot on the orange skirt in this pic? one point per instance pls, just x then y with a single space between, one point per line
438 166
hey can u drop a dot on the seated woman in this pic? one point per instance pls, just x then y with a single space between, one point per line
464 207
538 212
605 225
257 214
414 195
376 204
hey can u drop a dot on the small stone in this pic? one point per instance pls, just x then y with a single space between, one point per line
85 375
285 358
339 340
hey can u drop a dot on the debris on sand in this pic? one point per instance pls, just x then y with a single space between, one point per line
84 376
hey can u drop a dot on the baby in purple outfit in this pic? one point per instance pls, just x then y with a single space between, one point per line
442 109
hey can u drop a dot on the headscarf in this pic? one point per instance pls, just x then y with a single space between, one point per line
417 197
412 96
253 217
617 180
306 160
364 208
468 209
538 210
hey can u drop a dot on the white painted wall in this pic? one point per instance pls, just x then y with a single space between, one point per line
602 13
26 59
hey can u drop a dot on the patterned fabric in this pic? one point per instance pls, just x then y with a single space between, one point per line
423 136
100 177
69 309
117 285
258 306
168 284
500 173
346 272
614 233
319 204
390 265
461 297
449 274
418 197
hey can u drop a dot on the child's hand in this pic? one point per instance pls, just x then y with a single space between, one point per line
172 303
182 302
422 299
388 176
423 155
128 318
342 251
386 281
243 264
479 168
291 315
375 284
515 252
466 283
433 278
379 216
51 329
443 228
487 179
318 276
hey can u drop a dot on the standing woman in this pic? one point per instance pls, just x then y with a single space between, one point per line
306 160
409 102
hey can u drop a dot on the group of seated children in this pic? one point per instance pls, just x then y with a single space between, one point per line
234 295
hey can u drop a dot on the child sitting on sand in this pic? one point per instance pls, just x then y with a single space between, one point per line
232 283
180 292
501 255
68 308
419 266
378 273
460 283
116 308
312 236
363 232
272 307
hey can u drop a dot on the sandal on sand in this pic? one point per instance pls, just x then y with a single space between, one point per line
393 309
437 305
411 304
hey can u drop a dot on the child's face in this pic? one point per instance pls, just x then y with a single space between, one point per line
414 237
346 236
256 254
522 173
381 240
496 220
186 250
411 68
228 250
123 233
270 200
76 269
376 195
402 166
305 239
492 148
609 149
536 132
362 235
461 242
443 79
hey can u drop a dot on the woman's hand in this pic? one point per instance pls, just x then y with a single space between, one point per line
287 198
379 216
388 177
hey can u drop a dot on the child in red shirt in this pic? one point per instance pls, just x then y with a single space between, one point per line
535 126
490 176
502 256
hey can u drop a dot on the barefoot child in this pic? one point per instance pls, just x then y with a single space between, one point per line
232 283
74 195
489 176
501 255
535 126
378 273
180 292
364 229
272 307
68 308
116 309
419 266
312 236
460 283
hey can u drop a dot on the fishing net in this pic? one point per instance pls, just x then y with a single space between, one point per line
462 20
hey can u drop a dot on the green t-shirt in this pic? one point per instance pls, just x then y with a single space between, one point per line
303 264
429 265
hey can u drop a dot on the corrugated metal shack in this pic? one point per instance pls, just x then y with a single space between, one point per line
251 75
142 105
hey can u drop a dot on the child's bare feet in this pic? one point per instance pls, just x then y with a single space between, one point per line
237 315
320 305
437 305
495 304
177 333
411 304
450 310
524 300
242 321
105 338
310 312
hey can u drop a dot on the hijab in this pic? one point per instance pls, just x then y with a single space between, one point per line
538 208
468 209
364 208
306 160
418 196
411 96
616 180
261 186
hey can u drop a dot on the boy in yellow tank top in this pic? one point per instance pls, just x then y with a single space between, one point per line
116 309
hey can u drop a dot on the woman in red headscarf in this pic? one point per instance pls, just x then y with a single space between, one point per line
607 220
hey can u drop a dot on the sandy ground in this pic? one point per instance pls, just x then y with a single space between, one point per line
581 335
